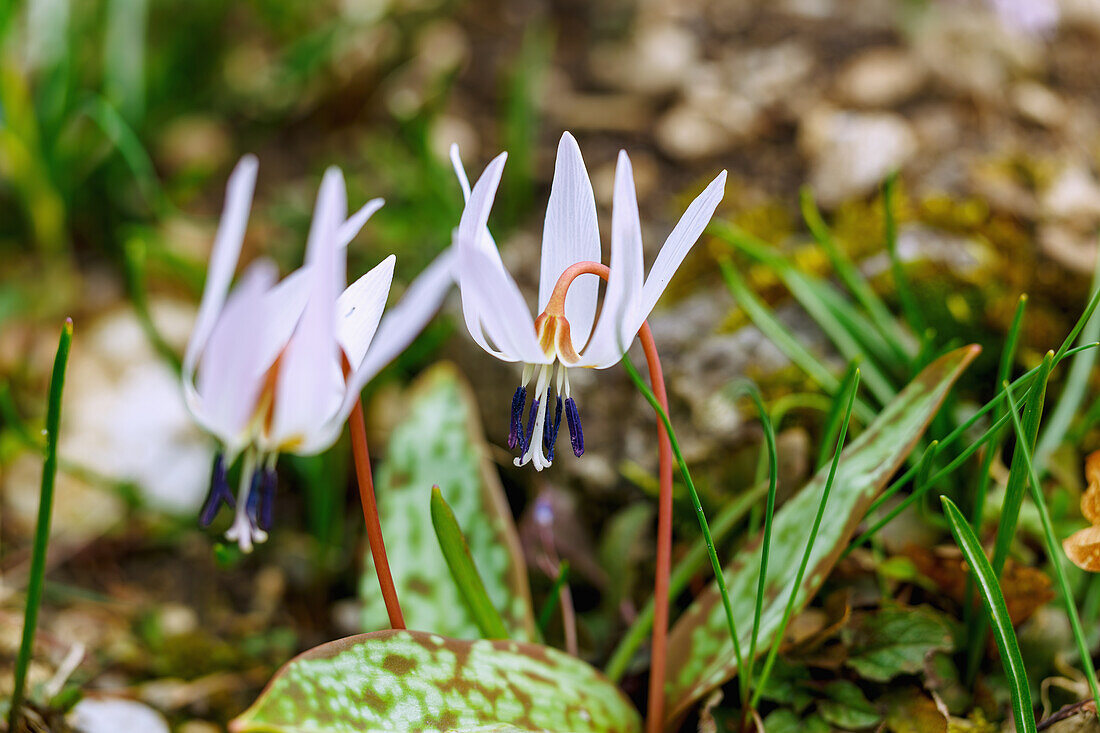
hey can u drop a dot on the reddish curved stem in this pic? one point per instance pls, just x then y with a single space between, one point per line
370 516
659 643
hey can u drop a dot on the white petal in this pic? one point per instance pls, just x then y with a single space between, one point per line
223 258
570 235
624 282
400 325
332 194
283 306
471 237
679 243
500 309
359 308
355 222
460 172
223 399
310 381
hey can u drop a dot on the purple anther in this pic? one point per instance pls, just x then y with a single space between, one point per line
515 434
219 493
573 419
267 499
252 505
526 437
550 432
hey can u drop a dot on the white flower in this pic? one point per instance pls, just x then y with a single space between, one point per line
277 367
496 313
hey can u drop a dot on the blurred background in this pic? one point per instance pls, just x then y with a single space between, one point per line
119 123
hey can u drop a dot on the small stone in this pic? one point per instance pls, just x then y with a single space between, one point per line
1071 249
684 132
657 60
852 152
111 715
1038 104
1074 195
881 77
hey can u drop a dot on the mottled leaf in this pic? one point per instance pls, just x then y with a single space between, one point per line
893 641
440 441
846 707
398 681
700 651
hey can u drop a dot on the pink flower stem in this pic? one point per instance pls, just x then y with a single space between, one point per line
659 643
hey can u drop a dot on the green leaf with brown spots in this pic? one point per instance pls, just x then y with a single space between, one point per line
701 655
440 441
397 681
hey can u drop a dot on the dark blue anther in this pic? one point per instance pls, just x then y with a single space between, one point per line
219 493
515 433
267 499
550 431
252 505
526 437
573 419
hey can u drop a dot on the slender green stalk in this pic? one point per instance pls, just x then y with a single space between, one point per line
789 610
716 566
1011 658
1017 475
686 569
547 610
851 276
835 416
134 269
457 553
769 513
1065 348
1054 551
778 334
985 474
1073 393
901 283
42 528
922 484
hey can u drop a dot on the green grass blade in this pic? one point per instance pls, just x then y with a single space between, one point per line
998 615
715 565
1065 348
763 318
852 278
42 528
921 486
1054 551
686 569
1017 475
765 672
1073 393
834 418
909 305
547 610
769 514
457 553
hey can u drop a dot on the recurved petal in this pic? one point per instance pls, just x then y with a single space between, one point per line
310 383
613 335
460 171
223 258
347 231
399 326
683 237
359 308
282 309
498 310
223 398
570 235
1083 549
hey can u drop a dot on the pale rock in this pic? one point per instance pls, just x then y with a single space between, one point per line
851 153
124 416
81 511
686 132
1074 195
113 715
658 59
880 77
1071 249
1037 103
